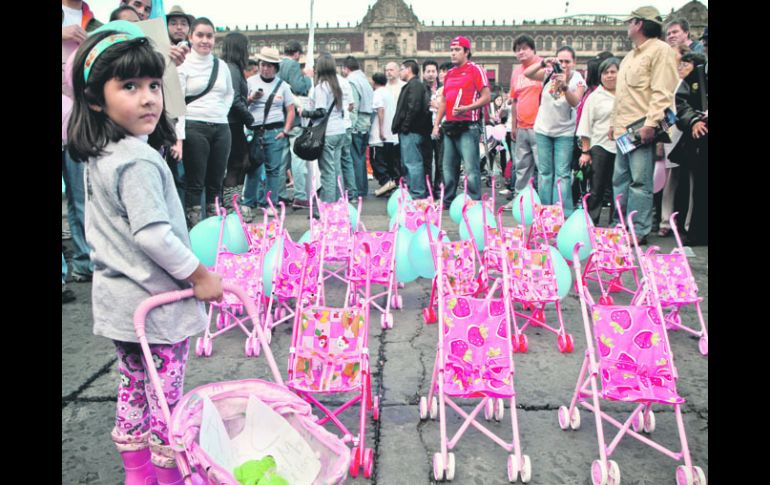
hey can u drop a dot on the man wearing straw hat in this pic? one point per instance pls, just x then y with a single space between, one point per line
466 90
645 88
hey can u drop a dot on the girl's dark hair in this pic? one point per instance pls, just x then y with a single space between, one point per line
89 131
651 30
696 58
524 40
199 21
326 70
115 15
593 78
379 79
568 49
235 50
607 63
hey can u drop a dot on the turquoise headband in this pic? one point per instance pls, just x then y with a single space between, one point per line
129 32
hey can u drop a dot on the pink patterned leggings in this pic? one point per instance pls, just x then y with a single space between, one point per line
134 418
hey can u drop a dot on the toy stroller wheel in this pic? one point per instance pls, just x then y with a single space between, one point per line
423 408
649 422
538 315
499 409
703 345
514 343
574 420
199 347
438 467
384 320
390 320
684 476
526 469
355 463
400 301
614 473
489 409
249 347
368 463
638 423
450 467
376 408
606 300
513 470
256 346
434 408
564 417
701 477
207 347
523 344
599 473
570 343
221 320
560 342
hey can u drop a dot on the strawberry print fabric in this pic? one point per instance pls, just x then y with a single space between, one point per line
382 244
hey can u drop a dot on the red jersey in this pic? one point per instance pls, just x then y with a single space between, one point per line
471 79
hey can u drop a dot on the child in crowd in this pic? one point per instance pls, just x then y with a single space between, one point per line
136 226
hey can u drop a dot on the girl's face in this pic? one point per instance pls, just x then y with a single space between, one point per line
498 101
202 39
566 61
610 78
134 104
685 68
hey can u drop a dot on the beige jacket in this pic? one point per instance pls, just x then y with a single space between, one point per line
647 80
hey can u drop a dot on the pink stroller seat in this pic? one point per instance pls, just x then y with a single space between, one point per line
477 357
459 258
612 248
497 240
534 279
382 244
243 270
415 213
673 279
328 358
257 233
335 229
549 218
287 279
634 361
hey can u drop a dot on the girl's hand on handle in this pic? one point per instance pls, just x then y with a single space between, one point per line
207 286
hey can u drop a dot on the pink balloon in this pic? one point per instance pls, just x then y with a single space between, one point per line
659 176
488 130
67 73
498 132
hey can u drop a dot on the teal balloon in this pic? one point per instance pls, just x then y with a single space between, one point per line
272 257
393 201
476 221
420 255
353 213
562 271
528 210
234 238
456 208
405 273
204 238
305 237
573 231
400 217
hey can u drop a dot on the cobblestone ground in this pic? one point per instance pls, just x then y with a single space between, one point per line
402 362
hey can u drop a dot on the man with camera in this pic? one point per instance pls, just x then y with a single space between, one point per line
645 88
466 91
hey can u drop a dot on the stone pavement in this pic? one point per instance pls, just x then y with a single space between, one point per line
402 361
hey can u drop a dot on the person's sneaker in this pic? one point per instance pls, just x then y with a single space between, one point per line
67 295
81 278
369 176
300 204
286 201
504 192
247 213
66 235
643 241
389 185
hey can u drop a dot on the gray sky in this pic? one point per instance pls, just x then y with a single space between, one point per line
249 12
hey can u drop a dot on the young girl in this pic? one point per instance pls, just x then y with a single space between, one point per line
136 227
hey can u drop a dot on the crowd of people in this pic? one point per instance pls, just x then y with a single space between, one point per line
149 178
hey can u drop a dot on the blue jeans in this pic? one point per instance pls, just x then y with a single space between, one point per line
632 179
411 159
554 163
76 215
465 147
298 167
255 188
359 142
346 166
274 169
330 167
63 269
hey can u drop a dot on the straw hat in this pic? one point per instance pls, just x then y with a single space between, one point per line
647 13
269 54
176 11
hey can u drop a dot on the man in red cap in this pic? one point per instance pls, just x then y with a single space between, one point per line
466 90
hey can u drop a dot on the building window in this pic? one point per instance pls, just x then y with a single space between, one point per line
559 42
499 44
539 44
548 43
403 46
588 44
578 44
599 43
486 44
508 44
569 42
376 46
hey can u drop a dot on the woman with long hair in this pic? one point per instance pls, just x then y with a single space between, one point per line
206 132
327 92
235 52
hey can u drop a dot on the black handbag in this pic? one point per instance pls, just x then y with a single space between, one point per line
310 143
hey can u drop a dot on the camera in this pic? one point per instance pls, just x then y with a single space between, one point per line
557 68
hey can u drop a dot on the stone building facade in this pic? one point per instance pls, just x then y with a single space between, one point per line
390 31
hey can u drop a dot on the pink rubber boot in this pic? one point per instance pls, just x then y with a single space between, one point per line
139 469
172 476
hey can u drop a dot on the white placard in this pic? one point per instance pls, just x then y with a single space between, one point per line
213 437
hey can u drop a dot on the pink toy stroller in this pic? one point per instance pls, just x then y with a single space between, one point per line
533 285
265 232
611 254
459 277
286 281
417 212
329 354
230 399
676 286
474 360
244 270
383 271
496 239
636 365
547 220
